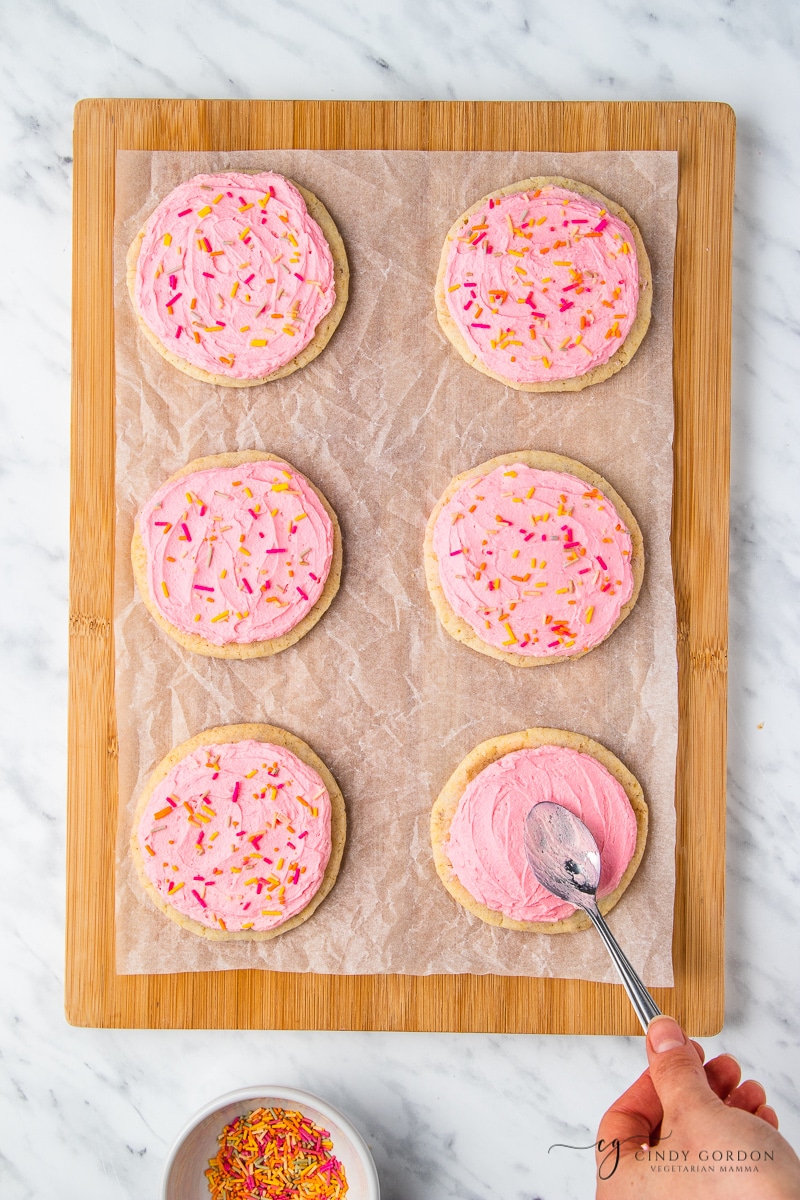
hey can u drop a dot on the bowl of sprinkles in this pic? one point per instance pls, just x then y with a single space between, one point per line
269 1143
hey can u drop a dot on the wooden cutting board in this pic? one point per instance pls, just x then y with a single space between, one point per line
704 137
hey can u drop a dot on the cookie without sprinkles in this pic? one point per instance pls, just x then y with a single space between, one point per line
237 278
492 858
545 285
532 558
237 555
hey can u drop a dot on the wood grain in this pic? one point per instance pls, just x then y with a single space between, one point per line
704 137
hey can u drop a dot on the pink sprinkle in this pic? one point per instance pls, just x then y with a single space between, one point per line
477 325
185 529
302 593
538 314
247 241
197 895
529 299
161 522
171 802
179 331
201 587
185 212
571 545
250 279
278 550
585 569
300 277
247 587
472 285
173 281
599 228
303 834
453 553
565 304
467 305
208 275
529 536
296 878
236 790
176 297
200 836
479 238
253 514
291 845
551 644
570 287
581 221
602 564
313 576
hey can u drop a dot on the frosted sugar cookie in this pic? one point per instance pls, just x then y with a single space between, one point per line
532 558
237 555
239 833
545 285
239 278
477 825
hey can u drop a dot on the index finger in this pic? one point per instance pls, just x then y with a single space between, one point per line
632 1118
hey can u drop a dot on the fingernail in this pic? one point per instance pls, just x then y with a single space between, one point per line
665 1034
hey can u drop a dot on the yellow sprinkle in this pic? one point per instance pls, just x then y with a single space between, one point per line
258 342
167 239
203 212
223 573
250 774
535 585
511 474
164 588
561 263
242 550
221 616
511 637
234 289
197 618
244 232
218 198
244 207
289 330
589 613
515 553
454 287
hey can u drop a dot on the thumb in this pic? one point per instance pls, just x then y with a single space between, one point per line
675 1068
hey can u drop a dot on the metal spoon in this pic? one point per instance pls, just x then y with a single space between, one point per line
564 857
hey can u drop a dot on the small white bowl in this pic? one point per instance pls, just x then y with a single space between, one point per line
184 1171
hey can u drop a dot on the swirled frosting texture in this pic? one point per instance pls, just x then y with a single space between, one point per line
538 563
486 846
237 836
543 285
233 274
237 554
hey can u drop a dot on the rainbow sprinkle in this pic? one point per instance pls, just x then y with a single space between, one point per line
275 1154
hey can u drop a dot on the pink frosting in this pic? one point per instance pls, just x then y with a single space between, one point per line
486 846
233 274
543 285
537 562
237 836
237 554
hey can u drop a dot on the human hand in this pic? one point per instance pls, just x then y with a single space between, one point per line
684 1129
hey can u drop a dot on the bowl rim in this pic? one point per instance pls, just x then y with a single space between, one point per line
295 1095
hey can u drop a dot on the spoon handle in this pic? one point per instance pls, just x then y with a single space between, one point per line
643 1003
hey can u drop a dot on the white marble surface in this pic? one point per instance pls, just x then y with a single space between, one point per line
88 1113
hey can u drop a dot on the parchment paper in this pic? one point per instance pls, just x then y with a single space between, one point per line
381 421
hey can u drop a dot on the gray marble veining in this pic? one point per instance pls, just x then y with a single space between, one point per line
90 1113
